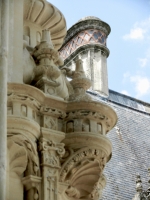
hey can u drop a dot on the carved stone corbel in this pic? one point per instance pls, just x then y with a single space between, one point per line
82 171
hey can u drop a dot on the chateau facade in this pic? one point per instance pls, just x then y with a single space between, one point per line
58 119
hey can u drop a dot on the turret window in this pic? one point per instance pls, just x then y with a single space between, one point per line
84 37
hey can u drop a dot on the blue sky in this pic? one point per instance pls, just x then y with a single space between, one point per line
128 42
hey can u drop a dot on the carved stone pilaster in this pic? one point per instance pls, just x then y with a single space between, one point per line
51 151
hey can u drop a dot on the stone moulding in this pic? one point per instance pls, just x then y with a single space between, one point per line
63 106
85 48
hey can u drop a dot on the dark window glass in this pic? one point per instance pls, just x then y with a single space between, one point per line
100 40
103 40
95 36
99 34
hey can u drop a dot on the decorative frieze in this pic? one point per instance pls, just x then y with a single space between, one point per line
53 111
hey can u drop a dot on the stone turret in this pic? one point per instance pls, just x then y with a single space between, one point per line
86 40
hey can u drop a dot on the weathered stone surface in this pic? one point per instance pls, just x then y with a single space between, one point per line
57 144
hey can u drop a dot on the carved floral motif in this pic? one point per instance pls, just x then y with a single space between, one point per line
50 122
85 114
53 111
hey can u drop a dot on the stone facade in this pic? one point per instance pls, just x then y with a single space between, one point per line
56 133
54 142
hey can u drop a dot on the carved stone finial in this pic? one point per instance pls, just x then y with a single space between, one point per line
47 60
148 190
80 84
139 186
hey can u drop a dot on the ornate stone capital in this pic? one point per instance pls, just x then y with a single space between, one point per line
51 152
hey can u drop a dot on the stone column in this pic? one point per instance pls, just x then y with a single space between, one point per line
4 11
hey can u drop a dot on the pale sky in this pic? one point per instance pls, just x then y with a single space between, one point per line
128 42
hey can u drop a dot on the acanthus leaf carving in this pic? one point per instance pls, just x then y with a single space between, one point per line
98 187
32 155
17 158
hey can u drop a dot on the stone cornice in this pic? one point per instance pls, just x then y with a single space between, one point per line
85 48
